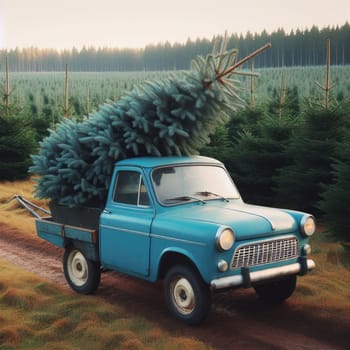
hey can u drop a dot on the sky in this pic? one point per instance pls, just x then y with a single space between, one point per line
61 24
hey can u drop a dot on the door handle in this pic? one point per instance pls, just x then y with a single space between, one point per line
105 211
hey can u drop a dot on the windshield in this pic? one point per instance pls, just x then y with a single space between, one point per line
178 184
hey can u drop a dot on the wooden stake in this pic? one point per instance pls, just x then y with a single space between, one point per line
7 89
328 73
66 106
252 85
88 100
327 88
283 93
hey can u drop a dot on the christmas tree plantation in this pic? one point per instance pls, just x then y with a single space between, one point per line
173 116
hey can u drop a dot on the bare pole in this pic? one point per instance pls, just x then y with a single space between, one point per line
66 106
88 100
283 93
328 87
7 88
252 84
328 73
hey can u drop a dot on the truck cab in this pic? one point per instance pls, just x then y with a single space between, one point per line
182 220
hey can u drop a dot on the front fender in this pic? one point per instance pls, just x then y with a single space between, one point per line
169 257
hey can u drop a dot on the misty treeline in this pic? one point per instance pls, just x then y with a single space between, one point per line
296 48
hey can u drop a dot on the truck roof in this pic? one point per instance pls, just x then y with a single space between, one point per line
152 162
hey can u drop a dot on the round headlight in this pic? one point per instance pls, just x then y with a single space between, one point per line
224 239
308 225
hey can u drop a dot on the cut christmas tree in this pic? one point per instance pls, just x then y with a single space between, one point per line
174 116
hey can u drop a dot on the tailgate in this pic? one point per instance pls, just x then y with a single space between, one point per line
58 234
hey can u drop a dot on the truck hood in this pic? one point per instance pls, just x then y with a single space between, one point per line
247 221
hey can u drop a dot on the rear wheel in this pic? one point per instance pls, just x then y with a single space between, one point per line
83 275
276 292
186 294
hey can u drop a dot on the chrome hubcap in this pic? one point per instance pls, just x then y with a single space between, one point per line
183 296
77 268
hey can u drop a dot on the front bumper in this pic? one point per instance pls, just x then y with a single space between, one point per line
246 277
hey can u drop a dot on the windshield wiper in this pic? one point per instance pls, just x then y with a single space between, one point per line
207 194
184 198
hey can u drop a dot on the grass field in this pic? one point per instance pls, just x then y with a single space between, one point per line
11 210
35 314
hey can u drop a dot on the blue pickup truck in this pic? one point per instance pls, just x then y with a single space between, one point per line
183 221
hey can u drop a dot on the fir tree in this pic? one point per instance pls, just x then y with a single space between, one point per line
311 152
246 119
258 155
335 196
291 105
220 146
170 117
17 142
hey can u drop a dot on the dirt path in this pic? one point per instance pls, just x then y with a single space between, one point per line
237 321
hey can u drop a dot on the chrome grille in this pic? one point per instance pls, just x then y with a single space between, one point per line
264 252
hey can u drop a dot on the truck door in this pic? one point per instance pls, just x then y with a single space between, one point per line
125 225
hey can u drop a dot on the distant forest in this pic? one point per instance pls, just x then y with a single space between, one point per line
297 48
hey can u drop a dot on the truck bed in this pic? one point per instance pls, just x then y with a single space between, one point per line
80 216
63 235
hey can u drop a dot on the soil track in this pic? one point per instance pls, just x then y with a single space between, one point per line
237 320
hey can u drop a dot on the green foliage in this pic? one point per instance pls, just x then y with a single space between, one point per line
258 155
292 160
335 196
252 146
220 146
173 116
290 107
224 143
17 142
311 152
40 125
246 120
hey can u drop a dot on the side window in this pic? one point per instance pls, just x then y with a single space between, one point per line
130 189
143 195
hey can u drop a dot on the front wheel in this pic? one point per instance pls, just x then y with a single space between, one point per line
83 275
276 292
186 295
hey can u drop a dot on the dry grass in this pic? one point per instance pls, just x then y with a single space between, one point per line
326 291
24 188
37 315
11 210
